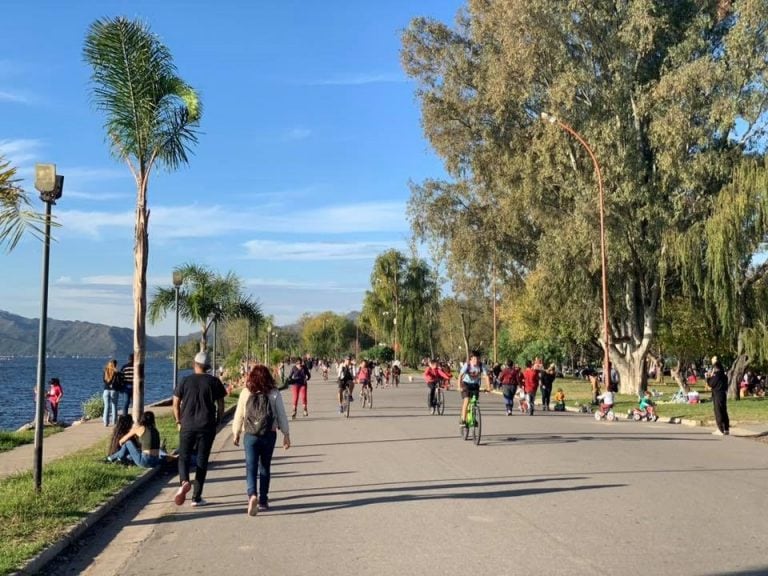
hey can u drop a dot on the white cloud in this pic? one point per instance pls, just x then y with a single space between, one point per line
21 150
360 79
296 134
296 285
108 280
312 251
97 196
14 97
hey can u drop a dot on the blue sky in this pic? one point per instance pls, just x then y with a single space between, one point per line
309 137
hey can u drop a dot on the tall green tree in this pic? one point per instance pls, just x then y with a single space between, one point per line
205 298
327 335
669 95
151 119
16 217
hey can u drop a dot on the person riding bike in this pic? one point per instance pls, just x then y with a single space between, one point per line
346 380
364 376
434 376
469 380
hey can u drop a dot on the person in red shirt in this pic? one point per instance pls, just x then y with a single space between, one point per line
510 379
433 376
530 385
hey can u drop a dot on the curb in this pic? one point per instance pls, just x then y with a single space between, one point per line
74 532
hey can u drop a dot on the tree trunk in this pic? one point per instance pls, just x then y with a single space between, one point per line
628 355
140 256
736 373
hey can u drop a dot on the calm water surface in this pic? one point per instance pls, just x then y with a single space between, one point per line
80 379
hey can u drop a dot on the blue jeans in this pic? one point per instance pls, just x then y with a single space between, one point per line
138 457
258 459
110 406
125 397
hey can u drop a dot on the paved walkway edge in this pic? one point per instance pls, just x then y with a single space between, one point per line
71 535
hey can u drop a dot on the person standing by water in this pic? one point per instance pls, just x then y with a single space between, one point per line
112 383
260 412
126 395
53 397
198 406
718 382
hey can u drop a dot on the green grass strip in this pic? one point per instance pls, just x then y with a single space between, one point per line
11 440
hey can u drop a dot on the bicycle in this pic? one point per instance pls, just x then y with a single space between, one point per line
366 395
345 401
439 405
474 421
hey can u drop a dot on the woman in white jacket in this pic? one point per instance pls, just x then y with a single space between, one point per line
260 412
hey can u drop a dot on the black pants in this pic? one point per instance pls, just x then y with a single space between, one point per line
546 392
432 389
188 439
719 400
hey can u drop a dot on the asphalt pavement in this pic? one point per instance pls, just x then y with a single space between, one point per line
394 490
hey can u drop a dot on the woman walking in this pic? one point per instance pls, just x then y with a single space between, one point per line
718 382
298 379
260 412
112 379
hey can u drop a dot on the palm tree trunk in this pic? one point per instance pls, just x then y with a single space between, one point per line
140 255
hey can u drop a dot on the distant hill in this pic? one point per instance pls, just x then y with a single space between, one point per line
18 337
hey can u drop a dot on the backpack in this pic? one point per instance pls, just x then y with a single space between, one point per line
259 418
346 374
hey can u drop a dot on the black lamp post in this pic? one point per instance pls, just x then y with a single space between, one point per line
50 186
178 279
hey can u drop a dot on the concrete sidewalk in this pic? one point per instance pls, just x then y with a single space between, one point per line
70 440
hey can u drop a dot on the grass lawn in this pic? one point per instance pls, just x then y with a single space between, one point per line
747 410
11 440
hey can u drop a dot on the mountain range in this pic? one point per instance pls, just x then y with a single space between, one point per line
19 337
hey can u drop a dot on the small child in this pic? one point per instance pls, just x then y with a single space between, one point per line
606 401
647 405
559 400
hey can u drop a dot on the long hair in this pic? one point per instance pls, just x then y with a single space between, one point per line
109 370
122 426
147 419
260 380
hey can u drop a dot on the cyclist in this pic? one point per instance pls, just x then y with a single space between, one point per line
434 376
469 380
346 380
364 376
324 368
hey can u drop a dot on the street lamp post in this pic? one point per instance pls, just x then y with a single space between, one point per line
603 257
178 278
50 185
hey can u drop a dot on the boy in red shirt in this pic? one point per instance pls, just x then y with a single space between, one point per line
433 376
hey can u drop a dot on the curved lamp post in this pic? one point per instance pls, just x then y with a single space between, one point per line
50 185
603 258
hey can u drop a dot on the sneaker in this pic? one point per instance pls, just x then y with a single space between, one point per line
181 493
432 410
293 415
726 433
253 507
718 433
263 508
509 412
305 412
200 502
341 409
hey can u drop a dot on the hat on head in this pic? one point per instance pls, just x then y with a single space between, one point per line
202 359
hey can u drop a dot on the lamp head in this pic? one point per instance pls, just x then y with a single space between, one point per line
48 183
178 278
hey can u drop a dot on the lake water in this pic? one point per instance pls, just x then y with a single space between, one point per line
80 379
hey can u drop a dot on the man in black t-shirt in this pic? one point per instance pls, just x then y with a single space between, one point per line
198 406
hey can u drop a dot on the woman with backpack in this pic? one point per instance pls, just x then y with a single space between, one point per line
260 412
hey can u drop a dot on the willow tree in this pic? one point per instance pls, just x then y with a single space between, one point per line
668 94
151 116
723 264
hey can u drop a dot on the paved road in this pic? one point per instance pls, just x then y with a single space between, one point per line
395 491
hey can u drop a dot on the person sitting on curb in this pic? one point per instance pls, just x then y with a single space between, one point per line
148 436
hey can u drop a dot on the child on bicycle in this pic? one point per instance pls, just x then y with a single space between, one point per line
469 379
434 376
606 401
647 407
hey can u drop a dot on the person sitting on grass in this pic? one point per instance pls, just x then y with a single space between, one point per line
149 438
559 400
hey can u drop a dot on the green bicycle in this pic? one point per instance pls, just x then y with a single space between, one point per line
474 421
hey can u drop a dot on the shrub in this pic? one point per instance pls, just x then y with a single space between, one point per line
93 407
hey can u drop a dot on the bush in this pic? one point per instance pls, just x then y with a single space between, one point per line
93 408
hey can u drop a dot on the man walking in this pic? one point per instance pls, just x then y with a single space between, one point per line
718 382
198 406
126 394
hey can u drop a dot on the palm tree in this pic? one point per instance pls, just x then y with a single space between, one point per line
205 298
151 116
15 216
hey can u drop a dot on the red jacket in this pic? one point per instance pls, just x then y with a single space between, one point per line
432 375
510 377
531 380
